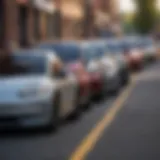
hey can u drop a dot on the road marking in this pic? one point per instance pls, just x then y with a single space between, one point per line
90 140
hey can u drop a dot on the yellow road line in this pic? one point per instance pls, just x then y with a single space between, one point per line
90 140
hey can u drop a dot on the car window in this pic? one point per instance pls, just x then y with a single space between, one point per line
67 53
114 48
23 64
87 53
97 51
148 43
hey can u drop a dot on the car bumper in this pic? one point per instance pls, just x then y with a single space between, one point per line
30 115
112 82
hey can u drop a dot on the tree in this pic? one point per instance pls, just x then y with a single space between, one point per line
127 22
145 16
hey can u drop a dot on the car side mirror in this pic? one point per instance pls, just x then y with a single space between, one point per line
60 74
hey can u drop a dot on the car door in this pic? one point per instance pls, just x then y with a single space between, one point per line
72 95
67 90
65 96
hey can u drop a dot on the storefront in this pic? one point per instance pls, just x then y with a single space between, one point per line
36 25
102 24
43 19
88 23
24 21
72 18
23 24
57 23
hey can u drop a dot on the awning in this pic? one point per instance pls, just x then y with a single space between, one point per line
72 10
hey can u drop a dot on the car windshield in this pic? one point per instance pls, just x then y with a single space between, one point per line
147 43
114 48
129 45
23 64
67 53
91 52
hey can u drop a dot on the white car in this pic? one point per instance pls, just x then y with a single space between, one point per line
149 48
34 91
106 65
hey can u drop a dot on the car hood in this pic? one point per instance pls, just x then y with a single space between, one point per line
21 81
11 86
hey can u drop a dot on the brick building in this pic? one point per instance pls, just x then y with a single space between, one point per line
23 22
72 12
100 13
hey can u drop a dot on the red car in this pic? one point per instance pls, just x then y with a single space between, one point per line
84 82
134 58
70 54
97 78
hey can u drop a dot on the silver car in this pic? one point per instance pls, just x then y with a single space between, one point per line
34 91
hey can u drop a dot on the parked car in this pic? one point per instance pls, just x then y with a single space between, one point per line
148 47
96 77
35 91
115 50
133 53
70 54
105 66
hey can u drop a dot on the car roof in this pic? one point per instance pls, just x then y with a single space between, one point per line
36 53
63 43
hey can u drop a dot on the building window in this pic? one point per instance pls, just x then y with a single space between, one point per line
23 18
36 15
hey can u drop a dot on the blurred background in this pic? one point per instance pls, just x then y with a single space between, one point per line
119 36
26 22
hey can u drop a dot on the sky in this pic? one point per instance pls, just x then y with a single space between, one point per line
129 6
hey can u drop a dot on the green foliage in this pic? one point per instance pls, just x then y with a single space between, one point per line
146 15
127 23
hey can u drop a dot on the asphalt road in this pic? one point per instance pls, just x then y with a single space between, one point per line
123 127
